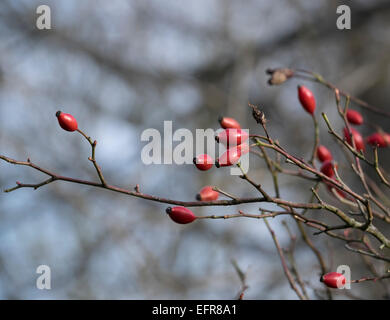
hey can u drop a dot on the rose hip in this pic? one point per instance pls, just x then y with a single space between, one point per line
323 154
203 162
357 137
354 117
307 99
244 148
229 123
327 169
207 194
377 139
66 121
333 280
229 157
181 215
232 137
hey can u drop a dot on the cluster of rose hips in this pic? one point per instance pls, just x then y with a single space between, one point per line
234 138
378 139
235 141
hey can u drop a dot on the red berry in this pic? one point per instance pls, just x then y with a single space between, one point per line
232 137
323 154
377 139
229 157
307 99
354 117
203 162
386 136
229 123
357 137
66 121
181 215
207 194
333 280
244 148
327 169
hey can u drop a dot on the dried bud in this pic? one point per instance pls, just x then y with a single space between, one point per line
278 76
258 115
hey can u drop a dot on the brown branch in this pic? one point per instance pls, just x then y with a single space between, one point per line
284 264
56 177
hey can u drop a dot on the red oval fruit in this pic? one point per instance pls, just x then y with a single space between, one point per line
181 215
377 139
333 280
203 162
327 169
357 137
244 148
66 121
207 194
354 117
307 99
323 154
232 137
229 157
386 136
228 123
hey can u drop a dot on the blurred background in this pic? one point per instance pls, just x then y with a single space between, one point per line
121 67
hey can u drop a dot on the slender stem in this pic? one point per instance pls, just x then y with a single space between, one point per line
283 261
316 139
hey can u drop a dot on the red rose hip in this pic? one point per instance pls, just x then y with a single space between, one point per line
354 117
203 162
243 148
66 121
229 157
181 215
228 123
307 99
386 136
377 139
323 154
357 137
327 169
207 194
232 137
333 280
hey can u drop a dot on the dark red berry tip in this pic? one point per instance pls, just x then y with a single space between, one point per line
168 210
58 113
